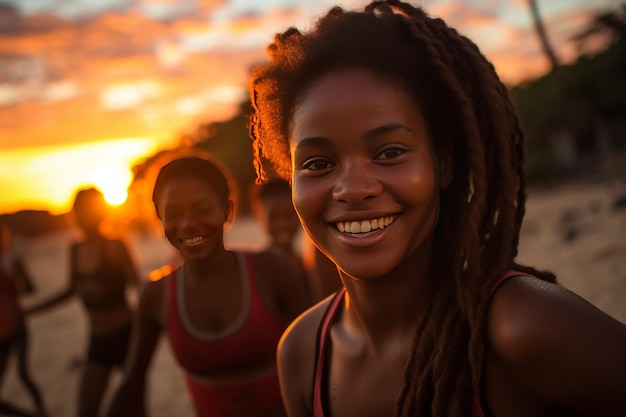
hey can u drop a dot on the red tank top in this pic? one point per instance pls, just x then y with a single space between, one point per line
322 352
247 347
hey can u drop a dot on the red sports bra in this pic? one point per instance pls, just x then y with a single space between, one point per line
324 334
245 352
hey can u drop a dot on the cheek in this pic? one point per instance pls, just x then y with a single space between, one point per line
168 228
304 199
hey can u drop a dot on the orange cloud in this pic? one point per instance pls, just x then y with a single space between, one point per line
126 73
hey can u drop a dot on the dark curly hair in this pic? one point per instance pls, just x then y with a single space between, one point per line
210 172
470 115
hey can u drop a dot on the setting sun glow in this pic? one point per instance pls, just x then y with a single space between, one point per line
50 176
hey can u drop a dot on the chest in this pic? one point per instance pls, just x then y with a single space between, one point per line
363 383
213 306
220 331
95 271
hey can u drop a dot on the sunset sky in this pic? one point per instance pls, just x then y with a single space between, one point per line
88 87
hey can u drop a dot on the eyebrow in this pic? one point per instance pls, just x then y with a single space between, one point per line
384 129
317 141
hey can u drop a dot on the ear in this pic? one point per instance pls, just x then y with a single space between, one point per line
446 167
230 212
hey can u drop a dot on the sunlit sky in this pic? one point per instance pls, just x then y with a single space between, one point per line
89 87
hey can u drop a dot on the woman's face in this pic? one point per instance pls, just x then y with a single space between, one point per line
280 219
90 213
193 217
365 179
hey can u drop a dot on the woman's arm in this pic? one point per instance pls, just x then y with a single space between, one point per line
24 281
59 298
128 399
555 350
128 264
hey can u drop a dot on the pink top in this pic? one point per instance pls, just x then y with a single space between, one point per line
323 350
245 353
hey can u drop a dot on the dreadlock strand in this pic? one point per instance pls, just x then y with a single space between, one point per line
475 152
422 345
447 357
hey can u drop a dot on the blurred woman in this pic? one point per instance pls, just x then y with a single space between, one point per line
224 311
101 271
15 281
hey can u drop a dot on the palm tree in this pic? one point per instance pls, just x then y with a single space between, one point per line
543 37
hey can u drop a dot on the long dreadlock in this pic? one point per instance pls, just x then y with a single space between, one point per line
469 114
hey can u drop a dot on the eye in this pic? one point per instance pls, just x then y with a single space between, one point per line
316 164
171 215
390 153
204 209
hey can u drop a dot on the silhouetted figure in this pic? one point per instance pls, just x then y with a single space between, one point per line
101 270
14 339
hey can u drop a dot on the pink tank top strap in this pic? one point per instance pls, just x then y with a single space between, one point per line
477 409
503 278
333 308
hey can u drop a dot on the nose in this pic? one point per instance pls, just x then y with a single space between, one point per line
187 219
356 181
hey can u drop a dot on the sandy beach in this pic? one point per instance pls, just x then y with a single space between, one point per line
576 230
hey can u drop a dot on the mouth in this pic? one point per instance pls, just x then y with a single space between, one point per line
362 227
192 240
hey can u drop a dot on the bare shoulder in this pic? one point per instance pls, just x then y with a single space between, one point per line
301 336
297 357
281 284
270 261
151 299
272 271
558 347
528 316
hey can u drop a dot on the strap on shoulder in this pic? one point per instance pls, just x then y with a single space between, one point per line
503 278
321 348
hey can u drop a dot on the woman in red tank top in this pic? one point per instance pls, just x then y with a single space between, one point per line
406 159
224 311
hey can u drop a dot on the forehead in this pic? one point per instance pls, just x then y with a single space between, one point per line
186 187
348 90
353 103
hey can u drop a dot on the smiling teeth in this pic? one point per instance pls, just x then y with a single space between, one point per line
365 226
192 240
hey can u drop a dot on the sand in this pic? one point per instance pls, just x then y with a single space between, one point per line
573 230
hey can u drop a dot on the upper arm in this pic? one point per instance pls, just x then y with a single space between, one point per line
126 261
128 398
147 329
296 362
286 284
557 348
24 282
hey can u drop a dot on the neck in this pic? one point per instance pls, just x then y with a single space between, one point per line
93 236
211 266
389 307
